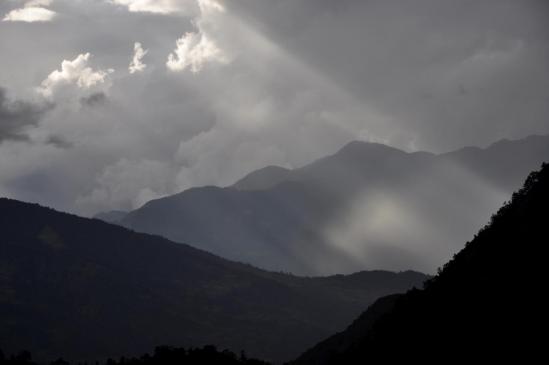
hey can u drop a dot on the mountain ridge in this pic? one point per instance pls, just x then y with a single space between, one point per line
327 217
357 144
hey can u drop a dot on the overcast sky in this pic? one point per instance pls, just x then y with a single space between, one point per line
105 104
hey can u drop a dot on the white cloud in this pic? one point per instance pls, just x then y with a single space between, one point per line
193 51
210 5
196 49
76 72
38 3
155 6
32 11
137 65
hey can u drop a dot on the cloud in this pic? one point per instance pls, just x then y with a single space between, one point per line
137 65
17 116
194 50
75 73
32 11
129 184
210 5
38 3
400 226
155 6
409 63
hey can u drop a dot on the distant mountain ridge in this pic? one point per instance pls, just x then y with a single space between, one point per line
366 206
485 304
521 151
85 290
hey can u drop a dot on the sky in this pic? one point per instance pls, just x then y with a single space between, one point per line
106 104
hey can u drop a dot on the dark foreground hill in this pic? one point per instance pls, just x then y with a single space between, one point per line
368 205
485 304
84 289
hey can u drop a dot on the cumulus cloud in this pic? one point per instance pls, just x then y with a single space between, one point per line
75 73
155 6
32 11
195 49
17 116
210 5
137 64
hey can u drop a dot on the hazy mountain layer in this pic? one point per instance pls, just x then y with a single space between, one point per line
366 206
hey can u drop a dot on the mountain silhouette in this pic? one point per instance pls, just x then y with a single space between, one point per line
487 303
83 289
366 206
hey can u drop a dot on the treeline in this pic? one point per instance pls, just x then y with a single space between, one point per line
161 355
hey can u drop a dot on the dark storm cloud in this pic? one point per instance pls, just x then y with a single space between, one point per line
16 116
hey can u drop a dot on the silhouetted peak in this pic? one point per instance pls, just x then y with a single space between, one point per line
271 169
361 151
361 147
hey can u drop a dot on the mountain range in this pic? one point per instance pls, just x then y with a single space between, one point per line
84 289
486 304
366 206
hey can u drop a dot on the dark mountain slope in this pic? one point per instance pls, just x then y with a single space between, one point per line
368 205
84 289
274 229
486 303
334 347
